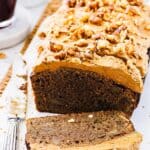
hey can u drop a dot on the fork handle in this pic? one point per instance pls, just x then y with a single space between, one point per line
11 136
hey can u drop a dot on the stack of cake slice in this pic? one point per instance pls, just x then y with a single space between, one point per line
91 55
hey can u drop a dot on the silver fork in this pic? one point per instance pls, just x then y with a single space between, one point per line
11 135
16 105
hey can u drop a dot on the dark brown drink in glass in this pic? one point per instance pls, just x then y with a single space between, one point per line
7 8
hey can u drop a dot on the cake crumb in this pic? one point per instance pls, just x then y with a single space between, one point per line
2 55
143 107
71 120
90 116
22 76
23 87
1 107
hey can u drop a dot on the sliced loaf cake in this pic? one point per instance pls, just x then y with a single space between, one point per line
86 131
90 55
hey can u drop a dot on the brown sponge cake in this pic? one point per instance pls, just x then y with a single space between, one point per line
90 55
73 90
86 131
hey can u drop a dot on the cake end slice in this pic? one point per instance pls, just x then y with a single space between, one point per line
86 131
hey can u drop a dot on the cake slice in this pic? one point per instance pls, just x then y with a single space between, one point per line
86 131
90 55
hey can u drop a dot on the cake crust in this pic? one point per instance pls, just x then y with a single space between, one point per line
128 142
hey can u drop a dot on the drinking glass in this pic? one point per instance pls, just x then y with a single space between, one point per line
7 8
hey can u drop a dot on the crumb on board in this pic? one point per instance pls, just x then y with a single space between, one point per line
2 55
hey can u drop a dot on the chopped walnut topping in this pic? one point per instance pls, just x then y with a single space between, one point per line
82 43
111 7
70 20
97 36
135 2
42 35
130 49
81 33
95 19
61 55
147 27
85 18
102 44
118 30
93 5
133 10
112 28
112 39
82 3
102 51
55 47
119 49
88 55
71 52
71 3
92 46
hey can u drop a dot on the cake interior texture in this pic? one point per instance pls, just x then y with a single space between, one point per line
77 129
68 90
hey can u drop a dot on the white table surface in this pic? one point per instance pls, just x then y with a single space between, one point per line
140 118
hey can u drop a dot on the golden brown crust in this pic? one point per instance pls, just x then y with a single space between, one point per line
88 32
127 142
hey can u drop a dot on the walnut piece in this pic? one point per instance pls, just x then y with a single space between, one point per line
95 19
61 56
71 52
93 5
82 3
133 10
97 36
55 47
112 39
88 55
81 33
92 46
71 3
84 18
102 44
82 43
118 30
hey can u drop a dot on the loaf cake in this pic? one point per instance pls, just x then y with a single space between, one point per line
104 130
90 55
